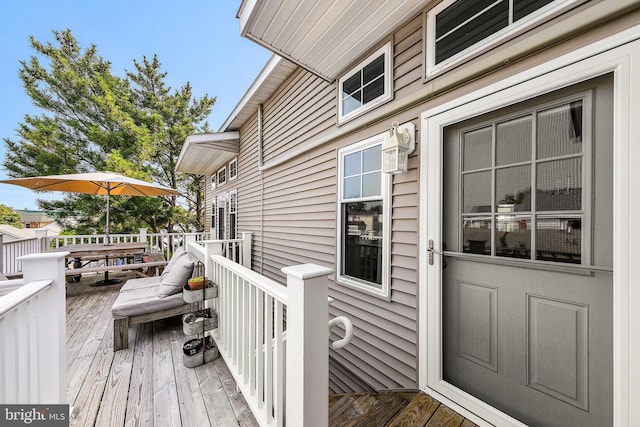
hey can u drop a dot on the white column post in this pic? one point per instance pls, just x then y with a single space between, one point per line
41 235
188 238
1 253
307 373
212 247
45 266
143 235
246 249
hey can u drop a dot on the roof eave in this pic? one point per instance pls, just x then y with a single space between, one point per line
204 154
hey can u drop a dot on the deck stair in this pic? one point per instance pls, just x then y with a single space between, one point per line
391 409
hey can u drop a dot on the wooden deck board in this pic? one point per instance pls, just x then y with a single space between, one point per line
140 403
190 396
146 384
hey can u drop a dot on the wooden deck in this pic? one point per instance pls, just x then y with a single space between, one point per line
146 384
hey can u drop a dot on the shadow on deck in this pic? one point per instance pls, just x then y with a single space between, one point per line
147 383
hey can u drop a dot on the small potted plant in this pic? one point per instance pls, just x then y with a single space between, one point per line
197 283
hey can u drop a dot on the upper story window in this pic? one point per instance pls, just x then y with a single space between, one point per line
365 86
222 176
459 29
233 169
364 218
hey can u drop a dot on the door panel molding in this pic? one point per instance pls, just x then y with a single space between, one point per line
478 324
618 54
556 329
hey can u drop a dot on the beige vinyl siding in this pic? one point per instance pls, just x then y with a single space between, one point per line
298 223
249 185
408 58
303 108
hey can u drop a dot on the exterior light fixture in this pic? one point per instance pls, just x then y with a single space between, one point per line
395 152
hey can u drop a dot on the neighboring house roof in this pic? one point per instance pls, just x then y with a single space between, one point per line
16 233
205 154
53 229
34 216
326 37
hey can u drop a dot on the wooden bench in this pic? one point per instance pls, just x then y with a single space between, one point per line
151 298
121 324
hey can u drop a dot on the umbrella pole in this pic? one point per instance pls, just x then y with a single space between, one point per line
108 208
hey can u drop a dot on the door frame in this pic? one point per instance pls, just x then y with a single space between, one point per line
619 55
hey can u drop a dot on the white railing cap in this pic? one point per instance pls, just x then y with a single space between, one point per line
307 271
44 255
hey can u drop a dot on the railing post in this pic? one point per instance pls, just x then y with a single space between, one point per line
211 248
246 249
143 235
307 384
45 266
1 253
41 235
189 238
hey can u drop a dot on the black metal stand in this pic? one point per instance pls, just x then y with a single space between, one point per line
106 281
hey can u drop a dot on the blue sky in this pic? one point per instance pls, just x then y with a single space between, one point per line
196 41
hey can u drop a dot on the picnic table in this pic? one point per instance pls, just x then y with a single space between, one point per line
92 252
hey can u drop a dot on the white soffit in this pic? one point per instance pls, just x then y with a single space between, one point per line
274 73
204 154
320 35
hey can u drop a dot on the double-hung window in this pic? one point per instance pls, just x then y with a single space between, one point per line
222 176
364 218
233 169
365 86
459 29
233 214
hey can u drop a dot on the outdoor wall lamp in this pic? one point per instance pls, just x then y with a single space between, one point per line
395 152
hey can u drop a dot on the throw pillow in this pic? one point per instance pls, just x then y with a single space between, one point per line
179 275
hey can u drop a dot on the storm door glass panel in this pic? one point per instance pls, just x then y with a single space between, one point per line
362 251
560 131
522 185
513 236
513 189
476 234
513 141
559 238
559 185
476 192
476 146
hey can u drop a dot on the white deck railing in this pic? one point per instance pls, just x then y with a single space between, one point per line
273 338
33 333
11 251
165 243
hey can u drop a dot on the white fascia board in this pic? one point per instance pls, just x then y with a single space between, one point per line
253 90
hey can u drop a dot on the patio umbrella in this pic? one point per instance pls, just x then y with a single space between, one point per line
101 183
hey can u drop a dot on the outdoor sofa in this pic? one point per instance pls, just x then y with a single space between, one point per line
152 298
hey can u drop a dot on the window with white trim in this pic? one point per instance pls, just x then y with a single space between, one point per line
222 176
364 218
366 86
233 214
459 29
233 169
214 224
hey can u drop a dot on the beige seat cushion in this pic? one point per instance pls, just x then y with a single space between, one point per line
144 300
143 282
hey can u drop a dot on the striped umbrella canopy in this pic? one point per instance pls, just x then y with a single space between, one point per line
100 183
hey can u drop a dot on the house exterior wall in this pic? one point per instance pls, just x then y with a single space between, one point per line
290 205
